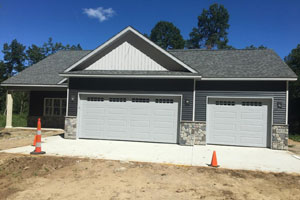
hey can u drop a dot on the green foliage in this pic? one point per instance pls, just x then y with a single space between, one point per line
167 36
295 137
254 47
16 58
293 60
18 120
211 30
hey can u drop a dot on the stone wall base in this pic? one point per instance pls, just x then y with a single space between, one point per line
47 121
70 127
192 133
280 137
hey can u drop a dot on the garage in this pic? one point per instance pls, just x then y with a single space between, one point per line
240 122
129 117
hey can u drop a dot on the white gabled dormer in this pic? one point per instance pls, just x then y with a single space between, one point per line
130 50
126 57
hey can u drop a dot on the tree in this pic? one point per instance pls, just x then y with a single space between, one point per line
14 58
167 36
293 60
212 28
254 47
35 54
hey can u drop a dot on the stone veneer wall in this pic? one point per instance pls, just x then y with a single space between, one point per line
280 136
192 133
47 121
70 127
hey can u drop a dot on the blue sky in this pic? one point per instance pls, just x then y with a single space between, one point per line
273 23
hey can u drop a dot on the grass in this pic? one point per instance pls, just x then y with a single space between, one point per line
18 120
295 137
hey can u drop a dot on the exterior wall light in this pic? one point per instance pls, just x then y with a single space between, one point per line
279 104
72 98
187 102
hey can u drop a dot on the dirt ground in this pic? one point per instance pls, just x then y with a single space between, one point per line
10 138
294 147
47 177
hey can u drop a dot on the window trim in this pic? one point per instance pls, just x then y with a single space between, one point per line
52 107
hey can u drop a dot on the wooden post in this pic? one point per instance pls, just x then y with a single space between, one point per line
9 109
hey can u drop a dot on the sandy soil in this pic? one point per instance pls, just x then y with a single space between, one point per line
47 177
294 147
10 138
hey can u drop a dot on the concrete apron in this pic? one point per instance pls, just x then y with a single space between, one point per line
228 157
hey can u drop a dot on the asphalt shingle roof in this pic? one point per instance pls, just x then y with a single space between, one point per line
208 63
46 72
235 63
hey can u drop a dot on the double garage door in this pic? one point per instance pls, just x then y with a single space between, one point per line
241 122
129 117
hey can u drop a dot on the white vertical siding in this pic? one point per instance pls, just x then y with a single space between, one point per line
126 57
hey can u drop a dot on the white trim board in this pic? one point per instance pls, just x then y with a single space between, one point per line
128 76
124 31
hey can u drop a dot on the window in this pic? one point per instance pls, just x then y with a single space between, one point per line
140 100
95 99
225 103
117 99
251 103
164 100
55 106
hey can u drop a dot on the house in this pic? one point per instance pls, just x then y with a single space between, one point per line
130 89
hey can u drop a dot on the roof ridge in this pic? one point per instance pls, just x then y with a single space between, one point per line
219 50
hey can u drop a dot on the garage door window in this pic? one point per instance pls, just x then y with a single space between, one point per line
95 99
54 107
251 103
117 99
225 103
140 100
164 100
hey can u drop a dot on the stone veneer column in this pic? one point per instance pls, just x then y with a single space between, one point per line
192 133
280 136
9 109
70 127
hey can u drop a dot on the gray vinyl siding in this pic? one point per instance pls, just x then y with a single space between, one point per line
136 86
275 90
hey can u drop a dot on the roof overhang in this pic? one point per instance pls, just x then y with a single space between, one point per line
249 79
28 85
130 76
116 37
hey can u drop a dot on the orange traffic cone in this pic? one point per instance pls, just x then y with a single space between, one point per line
34 141
38 145
214 162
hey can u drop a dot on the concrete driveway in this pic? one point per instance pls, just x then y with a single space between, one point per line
228 156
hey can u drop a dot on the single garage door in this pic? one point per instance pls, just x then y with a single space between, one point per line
129 117
242 122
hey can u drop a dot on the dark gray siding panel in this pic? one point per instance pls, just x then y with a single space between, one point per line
36 103
275 90
138 86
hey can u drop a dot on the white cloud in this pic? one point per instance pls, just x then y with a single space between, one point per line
100 13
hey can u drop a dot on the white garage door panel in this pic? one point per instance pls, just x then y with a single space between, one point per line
242 122
139 118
